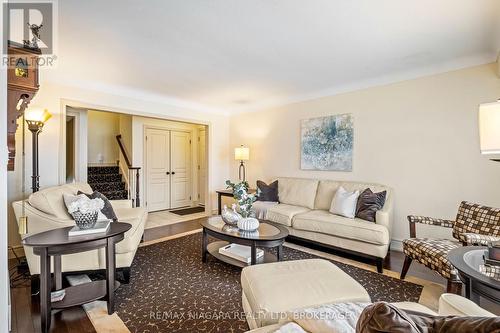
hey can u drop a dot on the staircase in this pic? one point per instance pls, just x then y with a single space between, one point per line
108 181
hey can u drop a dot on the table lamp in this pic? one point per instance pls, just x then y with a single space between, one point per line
242 154
489 129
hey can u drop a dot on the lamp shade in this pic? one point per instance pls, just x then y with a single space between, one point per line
242 153
489 128
35 114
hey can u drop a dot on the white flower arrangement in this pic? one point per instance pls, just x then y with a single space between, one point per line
85 205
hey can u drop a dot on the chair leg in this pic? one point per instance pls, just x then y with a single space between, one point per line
406 266
454 287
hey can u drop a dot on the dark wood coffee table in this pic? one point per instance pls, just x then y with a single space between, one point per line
267 236
56 243
467 260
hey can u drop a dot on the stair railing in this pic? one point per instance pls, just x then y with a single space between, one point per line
133 172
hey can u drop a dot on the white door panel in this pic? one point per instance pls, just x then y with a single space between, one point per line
181 169
158 167
202 167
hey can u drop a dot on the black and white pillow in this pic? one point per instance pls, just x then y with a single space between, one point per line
268 192
107 211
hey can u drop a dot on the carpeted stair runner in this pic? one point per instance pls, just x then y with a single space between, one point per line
108 181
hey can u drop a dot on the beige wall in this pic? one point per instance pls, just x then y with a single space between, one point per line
103 127
419 137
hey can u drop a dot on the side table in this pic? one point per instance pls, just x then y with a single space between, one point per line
56 243
226 193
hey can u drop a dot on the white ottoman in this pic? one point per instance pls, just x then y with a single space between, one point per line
269 290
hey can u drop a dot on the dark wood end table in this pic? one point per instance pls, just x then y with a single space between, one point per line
226 193
56 243
267 236
467 260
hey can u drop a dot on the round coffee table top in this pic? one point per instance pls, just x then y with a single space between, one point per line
467 259
266 231
57 237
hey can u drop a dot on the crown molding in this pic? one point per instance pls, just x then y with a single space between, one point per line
134 93
463 63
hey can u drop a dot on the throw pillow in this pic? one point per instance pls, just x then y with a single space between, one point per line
107 212
369 203
385 317
268 192
344 203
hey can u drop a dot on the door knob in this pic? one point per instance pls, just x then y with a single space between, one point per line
173 173
168 173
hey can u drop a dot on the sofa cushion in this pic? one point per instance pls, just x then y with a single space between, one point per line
283 214
326 192
50 200
297 191
272 289
324 222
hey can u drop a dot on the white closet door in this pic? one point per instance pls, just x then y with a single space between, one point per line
202 166
181 169
158 169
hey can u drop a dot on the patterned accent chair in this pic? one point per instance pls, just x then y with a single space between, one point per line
474 225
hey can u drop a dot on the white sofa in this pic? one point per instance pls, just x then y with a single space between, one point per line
304 211
46 210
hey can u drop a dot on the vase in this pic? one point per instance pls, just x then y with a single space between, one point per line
248 224
85 221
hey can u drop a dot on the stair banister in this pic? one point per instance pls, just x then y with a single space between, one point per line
132 169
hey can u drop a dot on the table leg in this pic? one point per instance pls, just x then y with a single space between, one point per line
219 203
110 275
473 296
57 272
204 244
45 288
280 252
254 254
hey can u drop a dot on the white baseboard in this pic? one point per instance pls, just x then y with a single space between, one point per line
397 245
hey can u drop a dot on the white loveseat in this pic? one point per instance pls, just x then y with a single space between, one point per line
46 210
304 210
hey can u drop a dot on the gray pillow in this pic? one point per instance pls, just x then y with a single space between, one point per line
369 203
108 208
268 192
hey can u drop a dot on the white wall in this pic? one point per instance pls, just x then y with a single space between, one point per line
103 127
419 137
139 124
55 97
4 282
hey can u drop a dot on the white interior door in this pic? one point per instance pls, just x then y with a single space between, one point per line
180 169
158 169
202 166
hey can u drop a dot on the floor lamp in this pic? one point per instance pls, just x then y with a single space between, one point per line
489 129
242 154
36 118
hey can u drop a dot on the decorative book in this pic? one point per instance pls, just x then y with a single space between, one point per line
100 227
57 296
240 252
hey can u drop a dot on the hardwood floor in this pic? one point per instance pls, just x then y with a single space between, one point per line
25 308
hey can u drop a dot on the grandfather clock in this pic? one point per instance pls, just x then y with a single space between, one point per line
22 85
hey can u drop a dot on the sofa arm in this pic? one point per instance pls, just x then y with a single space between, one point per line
455 305
117 204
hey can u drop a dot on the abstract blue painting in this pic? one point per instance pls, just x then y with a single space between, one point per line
327 142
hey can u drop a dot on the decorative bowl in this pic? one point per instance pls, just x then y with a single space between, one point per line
85 221
230 217
248 224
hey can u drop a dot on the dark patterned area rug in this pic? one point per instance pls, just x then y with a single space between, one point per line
171 290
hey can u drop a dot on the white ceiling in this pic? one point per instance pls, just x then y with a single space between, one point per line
236 55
